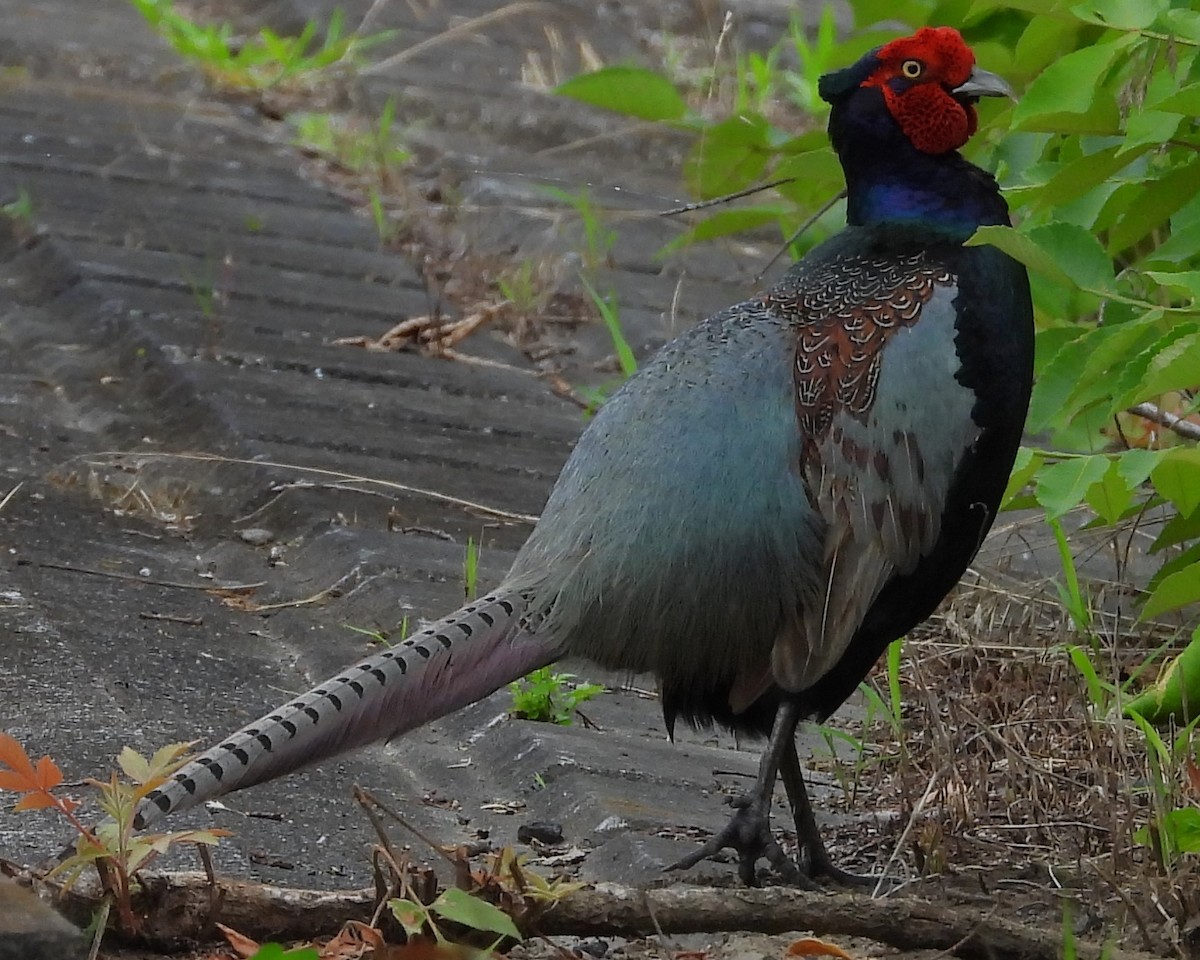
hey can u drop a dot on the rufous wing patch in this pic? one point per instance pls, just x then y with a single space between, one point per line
867 482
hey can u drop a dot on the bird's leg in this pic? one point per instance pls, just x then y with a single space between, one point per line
749 830
814 860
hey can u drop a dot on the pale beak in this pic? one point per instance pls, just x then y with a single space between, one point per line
982 83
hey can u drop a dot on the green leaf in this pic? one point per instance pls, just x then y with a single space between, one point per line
411 915
1185 101
1076 178
1097 692
723 223
1070 84
460 907
1122 14
1021 247
1178 590
1043 41
1111 496
1126 381
1177 478
273 951
1147 128
1059 379
1077 253
1159 199
1181 561
633 91
1176 694
1184 24
911 12
1177 367
729 156
1185 281
1137 465
1102 354
1181 528
1183 827
1061 487
1028 462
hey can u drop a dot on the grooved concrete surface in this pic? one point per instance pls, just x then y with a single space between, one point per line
179 290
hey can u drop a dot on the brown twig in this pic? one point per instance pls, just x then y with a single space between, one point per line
173 584
1184 427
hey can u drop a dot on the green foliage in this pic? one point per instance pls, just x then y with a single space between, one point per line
457 906
264 60
374 149
629 90
1175 697
607 306
550 697
598 238
471 569
273 951
1174 828
112 848
21 208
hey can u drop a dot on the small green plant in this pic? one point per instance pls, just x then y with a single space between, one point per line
606 306
550 697
878 707
815 57
457 906
388 228
112 847
471 569
264 60
380 637
523 287
273 951
21 208
376 149
598 239
1174 828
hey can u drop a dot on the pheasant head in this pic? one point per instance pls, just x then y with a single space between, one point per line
898 117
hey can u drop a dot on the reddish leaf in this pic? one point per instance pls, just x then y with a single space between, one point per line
812 947
13 756
35 800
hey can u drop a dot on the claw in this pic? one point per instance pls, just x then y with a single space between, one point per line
748 833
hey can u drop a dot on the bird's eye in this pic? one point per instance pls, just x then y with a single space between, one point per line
911 69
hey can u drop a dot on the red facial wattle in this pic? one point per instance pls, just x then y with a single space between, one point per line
930 116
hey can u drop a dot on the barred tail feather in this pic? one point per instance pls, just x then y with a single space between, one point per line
448 665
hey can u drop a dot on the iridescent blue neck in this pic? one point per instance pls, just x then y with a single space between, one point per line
891 182
928 205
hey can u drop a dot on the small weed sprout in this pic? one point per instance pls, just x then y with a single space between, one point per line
550 697
362 149
21 208
598 239
457 906
273 951
523 288
381 637
471 569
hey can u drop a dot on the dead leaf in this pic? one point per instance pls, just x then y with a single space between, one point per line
1193 775
242 945
812 947
353 941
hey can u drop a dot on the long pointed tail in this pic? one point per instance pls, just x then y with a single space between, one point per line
448 665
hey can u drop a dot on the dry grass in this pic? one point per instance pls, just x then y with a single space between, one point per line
1005 778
